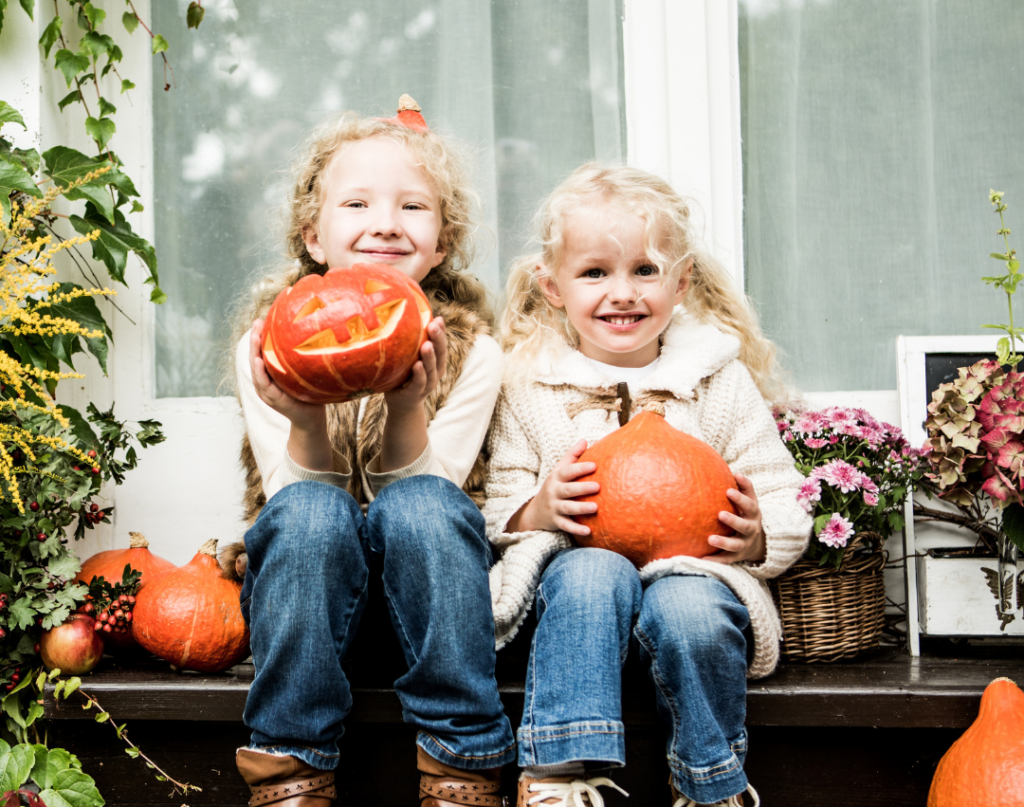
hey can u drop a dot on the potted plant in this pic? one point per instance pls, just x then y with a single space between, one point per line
975 447
859 471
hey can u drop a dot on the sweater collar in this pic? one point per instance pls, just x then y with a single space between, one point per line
690 351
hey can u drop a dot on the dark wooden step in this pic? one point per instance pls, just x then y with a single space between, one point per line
887 689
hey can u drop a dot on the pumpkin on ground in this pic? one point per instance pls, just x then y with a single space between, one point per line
110 566
661 492
985 767
191 616
345 334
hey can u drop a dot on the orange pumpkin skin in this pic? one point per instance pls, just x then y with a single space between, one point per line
661 492
110 566
985 767
345 334
191 616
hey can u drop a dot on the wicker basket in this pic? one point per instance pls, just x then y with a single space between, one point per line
830 614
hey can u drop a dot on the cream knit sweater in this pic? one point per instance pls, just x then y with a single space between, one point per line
711 396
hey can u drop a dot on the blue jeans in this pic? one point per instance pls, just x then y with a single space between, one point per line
690 632
303 596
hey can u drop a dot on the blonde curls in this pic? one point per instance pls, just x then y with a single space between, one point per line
445 166
529 322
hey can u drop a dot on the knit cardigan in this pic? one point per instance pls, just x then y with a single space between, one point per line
706 392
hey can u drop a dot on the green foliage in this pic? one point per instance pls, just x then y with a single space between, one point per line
1006 350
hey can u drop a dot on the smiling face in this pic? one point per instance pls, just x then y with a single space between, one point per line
616 298
378 207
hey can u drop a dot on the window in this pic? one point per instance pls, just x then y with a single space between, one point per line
536 87
872 132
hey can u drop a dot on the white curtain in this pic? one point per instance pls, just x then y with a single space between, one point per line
872 133
533 87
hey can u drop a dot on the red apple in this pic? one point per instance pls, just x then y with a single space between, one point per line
74 647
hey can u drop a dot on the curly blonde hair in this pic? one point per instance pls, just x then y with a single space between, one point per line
445 165
672 243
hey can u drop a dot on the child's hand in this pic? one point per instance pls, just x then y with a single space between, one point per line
554 504
425 374
749 541
298 412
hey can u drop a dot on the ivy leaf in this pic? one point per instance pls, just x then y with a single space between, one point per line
14 178
95 15
9 114
72 788
50 35
126 85
159 44
101 130
27 158
95 44
30 7
70 64
195 14
130 21
71 98
106 108
66 166
115 242
16 764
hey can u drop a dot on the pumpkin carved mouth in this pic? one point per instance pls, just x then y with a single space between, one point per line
359 334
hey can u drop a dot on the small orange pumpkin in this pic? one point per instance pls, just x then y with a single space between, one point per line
985 767
345 334
191 616
110 566
661 492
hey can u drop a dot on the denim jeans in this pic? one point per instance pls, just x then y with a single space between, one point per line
303 596
690 630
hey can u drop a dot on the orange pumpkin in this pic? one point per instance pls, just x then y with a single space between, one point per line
661 492
110 566
191 616
985 767
345 334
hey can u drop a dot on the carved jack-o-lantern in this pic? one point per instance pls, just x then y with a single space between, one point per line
345 334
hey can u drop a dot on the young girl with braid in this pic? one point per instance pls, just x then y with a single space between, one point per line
620 311
388 481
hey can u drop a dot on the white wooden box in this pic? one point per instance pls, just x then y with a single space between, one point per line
957 597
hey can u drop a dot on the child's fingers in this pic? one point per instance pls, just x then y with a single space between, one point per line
439 340
572 527
574 453
567 473
571 490
746 505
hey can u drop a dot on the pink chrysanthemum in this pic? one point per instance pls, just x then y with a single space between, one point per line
810 492
870 499
816 442
836 532
841 475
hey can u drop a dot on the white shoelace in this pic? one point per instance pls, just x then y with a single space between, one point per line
732 801
575 790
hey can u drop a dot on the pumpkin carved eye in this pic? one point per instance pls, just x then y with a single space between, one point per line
344 334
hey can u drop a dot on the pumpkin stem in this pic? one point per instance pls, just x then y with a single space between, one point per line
138 541
209 548
1003 678
407 102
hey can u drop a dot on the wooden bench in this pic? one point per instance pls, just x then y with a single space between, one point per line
865 732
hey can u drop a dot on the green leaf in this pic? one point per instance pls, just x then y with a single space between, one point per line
70 64
70 685
195 14
9 114
48 764
71 98
72 788
130 21
1013 524
16 764
26 158
998 256
23 614
107 108
95 15
50 35
86 313
66 166
138 208
65 566
115 242
103 717
30 7
159 44
100 129
14 178
126 85
95 44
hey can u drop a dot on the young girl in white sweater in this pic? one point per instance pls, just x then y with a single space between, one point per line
620 292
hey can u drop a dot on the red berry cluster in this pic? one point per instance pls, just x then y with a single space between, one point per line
115 616
94 515
15 677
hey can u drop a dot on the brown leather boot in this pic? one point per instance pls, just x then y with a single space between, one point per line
284 781
443 786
